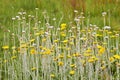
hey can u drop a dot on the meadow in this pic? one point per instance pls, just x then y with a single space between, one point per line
59 40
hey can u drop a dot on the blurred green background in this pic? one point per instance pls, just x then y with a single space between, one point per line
10 8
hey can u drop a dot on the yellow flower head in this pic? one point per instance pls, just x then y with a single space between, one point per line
44 39
99 46
33 68
35 28
72 65
61 56
32 40
116 56
47 51
71 43
13 57
41 32
60 63
33 51
23 45
68 56
72 72
101 49
5 61
111 59
63 34
63 26
52 75
103 67
5 47
56 41
65 41
91 60
87 54
37 34
88 51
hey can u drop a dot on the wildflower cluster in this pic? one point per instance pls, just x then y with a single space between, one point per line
44 51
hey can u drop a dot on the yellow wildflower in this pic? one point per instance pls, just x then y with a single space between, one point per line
41 32
32 40
5 47
65 41
35 28
23 45
55 59
13 57
14 51
111 51
37 34
103 67
68 56
63 26
104 43
83 30
99 46
5 61
63 34
87 54
61 56
33 68
72 72
116 56
95 42
73 37
90 60
101 49
111 59
95 58
41 47
72 65
71 43
52 75
113 36
98 35
60 63
33 51
47 51
56 41
44 39
76 54
109 32
88 50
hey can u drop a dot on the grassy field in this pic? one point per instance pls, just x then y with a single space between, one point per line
59 40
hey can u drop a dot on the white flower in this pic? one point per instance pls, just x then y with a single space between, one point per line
104 13
20 13
54 19
75 11
76 19
23 31
70 31
46 33
23 18
50 27
36 8
13 18
107 27
24 13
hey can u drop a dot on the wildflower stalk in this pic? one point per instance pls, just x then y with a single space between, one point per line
117 47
